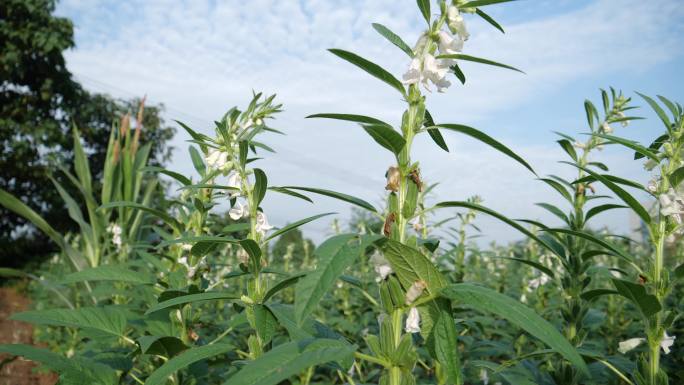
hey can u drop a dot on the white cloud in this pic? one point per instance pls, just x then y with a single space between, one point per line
202 57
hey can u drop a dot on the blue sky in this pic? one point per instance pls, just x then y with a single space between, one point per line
200 58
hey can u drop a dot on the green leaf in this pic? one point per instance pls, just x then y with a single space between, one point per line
260 185
659 111
197 160
166 346
599 209
157 213
111 319
444 340
336 195
371 68
424 6
333 257
15 205
500 217
411 265
294 225
590 295
676 177
474 59
555 211
654 146
386 137
7 272
629 144
72 370
191 298
488 300
285 283
438 138
458 73
482 3
489 20
558 187
289 359
569 148
589 109
608 246
648 304
393 38
622 194
109 273
534 264
285 191
81 163
160 376
351 118
179 177
481 136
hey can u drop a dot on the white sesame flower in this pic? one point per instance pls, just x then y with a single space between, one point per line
523 298
606 128
115 230
483 376
455 22
625 346
234 181
238 211
262 225
653 185
672 205
217 159
624 123
415 291
580 145
650 164
413 321
539 281
382 267
449 45
667 342
435 71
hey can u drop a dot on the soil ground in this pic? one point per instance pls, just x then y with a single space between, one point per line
18 371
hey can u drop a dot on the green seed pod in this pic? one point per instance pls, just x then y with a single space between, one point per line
411 199
387 336
374 344
386 298
397 293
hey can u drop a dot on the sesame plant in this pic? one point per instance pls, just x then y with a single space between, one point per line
181 278
651 279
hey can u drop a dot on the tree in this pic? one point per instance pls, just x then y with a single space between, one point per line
39 102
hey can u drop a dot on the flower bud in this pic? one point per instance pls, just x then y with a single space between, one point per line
415 291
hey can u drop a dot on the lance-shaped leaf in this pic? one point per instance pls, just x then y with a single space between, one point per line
72 370
351 118
474 59
110 273
260 185
333 257
191 298
294 225
393 38
599 209
654 146
285 191
424 6
371 68
482 3
568 148
629 144
386 137
12 203
177 176
622 194
488 300
534 264
500 217
434 132
647 303
111 319
285 283
161 375
659 111
166 346
614 250
289 359
157 213
489 20
334 194
482 137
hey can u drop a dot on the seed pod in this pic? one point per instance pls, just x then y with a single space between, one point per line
411 201
387 228
386 298
396 291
